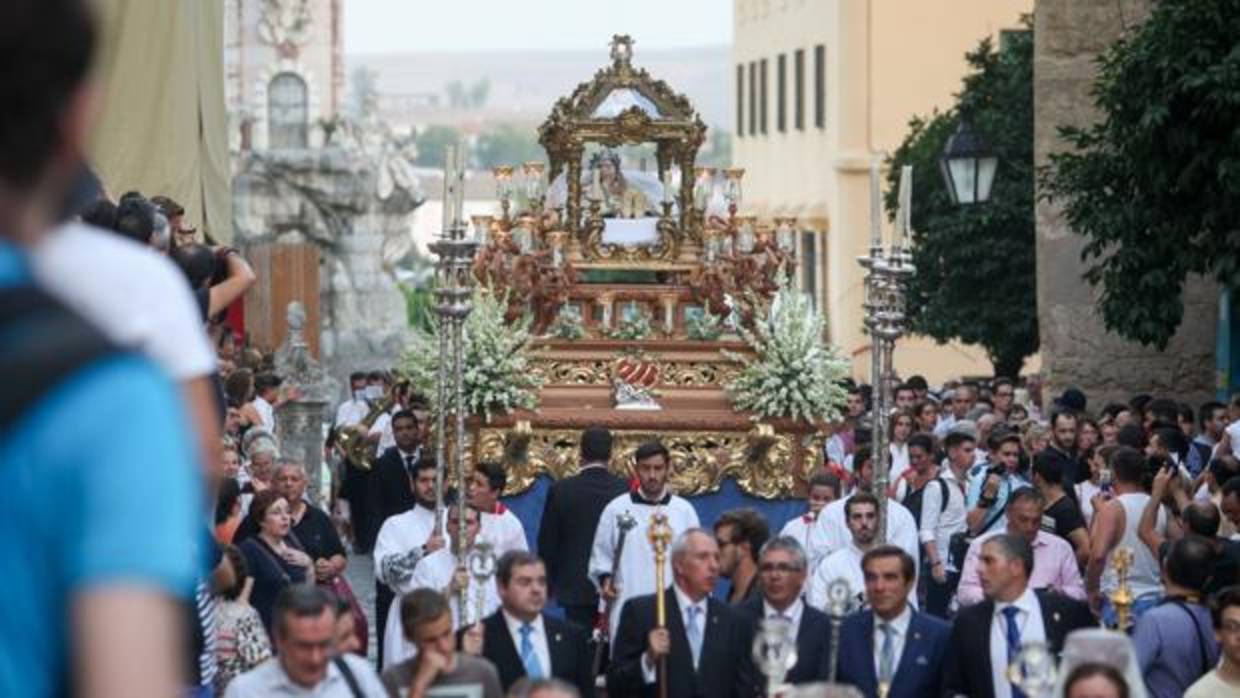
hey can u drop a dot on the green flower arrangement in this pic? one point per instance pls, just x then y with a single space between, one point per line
794 373
497 372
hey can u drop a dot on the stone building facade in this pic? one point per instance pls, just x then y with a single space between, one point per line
1076 349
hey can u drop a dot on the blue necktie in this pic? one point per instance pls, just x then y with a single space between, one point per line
528 656
887 655
1013 643
694 632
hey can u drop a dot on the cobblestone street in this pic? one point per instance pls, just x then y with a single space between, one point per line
361 576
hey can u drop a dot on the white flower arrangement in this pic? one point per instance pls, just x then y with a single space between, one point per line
497 372
795 374
704 327
635 325
568 324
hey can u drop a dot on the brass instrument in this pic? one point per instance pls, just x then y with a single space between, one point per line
1122 597
351 441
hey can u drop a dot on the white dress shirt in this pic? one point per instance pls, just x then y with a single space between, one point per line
831 532
938 523
1029 620
538 638
792 614
899 626
351 412
648 668
269 679
265 413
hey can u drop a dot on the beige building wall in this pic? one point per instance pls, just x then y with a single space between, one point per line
885 62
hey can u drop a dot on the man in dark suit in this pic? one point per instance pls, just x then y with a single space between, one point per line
707 645
890 646
570 517
782 569
987 636
521 640
390 493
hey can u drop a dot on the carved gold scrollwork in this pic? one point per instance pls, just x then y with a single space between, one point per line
681 374
760 461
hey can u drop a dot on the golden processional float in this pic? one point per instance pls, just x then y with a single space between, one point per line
635 290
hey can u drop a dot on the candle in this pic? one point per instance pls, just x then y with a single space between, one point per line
876 205
904 220
596 187
667 187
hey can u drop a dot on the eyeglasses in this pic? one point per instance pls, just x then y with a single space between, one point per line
785 567
1231 627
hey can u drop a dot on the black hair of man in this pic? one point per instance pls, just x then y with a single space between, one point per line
376 376
428 463
1062 414
167 206
1128 465
1231 488
1203 519
300 601
196 261
1000 382
918 382
1113 409
907 566
1014 547
47 46
596 445
1206 412
923 441
1223 600
825 479
1131 435
135 219
357 376
748 526
1190 562
857 499
266 381
1140 402
402 414
1163 410
903 387
861 456
494 472
1173 440
957 438
1048 467
651 449
512 560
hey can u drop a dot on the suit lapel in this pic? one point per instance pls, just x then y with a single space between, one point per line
1052 622
914 644
505 652
555 647
711 631
679 638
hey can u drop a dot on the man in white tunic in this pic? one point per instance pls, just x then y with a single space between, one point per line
444 572
501 528
845 563
635 571
824 488
830 532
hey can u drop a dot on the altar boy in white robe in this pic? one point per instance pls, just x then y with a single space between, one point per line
636 571
442 572
502 529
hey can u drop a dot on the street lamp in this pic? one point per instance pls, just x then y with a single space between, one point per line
968 165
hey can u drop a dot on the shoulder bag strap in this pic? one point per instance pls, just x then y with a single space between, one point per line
1201 640
349 678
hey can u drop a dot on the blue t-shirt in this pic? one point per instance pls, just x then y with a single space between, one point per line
99 487
1009 484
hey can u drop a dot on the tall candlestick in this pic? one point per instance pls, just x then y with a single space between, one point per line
903 220
876 205
448 190
596 185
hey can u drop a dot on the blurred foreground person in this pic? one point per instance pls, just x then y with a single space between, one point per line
96 585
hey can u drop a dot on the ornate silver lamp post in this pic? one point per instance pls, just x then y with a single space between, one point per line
887 268
454 284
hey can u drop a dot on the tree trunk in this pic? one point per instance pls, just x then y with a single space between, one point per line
1008 366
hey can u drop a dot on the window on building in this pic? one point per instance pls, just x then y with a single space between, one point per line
820 86
809 265
753 98
287 113
740 99
762 92
798 89
781 93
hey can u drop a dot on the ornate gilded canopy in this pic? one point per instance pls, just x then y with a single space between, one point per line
624 105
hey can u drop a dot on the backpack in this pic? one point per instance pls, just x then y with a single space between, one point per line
42 343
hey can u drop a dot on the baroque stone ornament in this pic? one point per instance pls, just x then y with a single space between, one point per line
285 24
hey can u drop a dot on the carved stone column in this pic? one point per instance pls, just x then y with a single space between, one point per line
299 424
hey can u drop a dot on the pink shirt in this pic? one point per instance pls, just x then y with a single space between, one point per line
1054 567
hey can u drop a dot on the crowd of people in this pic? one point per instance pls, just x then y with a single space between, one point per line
160 542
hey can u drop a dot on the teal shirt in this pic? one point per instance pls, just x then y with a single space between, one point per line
99 487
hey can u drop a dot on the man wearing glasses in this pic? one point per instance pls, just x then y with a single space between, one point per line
782 570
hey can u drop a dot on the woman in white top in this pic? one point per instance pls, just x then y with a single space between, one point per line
899 429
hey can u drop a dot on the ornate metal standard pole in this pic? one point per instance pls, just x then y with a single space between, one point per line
887 269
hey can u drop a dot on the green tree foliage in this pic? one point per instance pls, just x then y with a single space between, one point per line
432 143
975 264
1154 185
508 144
